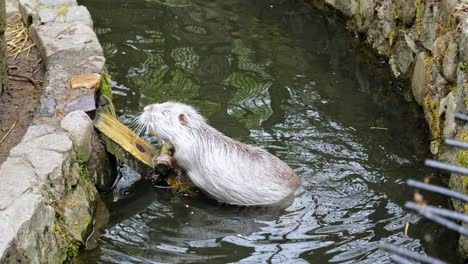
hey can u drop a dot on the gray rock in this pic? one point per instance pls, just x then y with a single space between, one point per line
54 142
409 39
92 64
11 7
445 52
55 38
347 7
47 108
406 11
365 15
79 14
419 82
37 130
85 103
16 176
100 167
79 207
13 220
56 79
80 128
57 2
401 60
47 15
44 162
450 61
28 8
429 26
448 106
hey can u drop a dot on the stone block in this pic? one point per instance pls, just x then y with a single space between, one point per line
12 220
37 130
54 142
53 38
27 9
47 15
79 14
47 107
84 102
44 162
11 7
80 128
92 64
16 176
419 81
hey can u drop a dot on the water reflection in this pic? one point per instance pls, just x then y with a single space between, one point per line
282 76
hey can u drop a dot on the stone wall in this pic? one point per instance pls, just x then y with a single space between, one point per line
50 181
2 46
426 43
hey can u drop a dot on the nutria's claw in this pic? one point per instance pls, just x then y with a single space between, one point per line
165 159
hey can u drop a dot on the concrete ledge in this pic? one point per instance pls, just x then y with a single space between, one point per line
48 195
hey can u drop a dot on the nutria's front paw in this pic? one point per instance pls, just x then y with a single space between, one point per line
165 160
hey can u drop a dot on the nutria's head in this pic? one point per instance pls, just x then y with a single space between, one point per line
170 120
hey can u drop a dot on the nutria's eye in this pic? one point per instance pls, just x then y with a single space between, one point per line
164 112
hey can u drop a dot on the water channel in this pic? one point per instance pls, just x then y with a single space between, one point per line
282 76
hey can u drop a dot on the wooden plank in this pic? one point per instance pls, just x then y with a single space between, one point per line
126 138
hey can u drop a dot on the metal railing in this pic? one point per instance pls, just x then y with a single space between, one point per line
445 217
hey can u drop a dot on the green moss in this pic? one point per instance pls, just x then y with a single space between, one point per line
106 92
419 15
453 88
429 60
73 246
463 161
106 85
433 108
395 11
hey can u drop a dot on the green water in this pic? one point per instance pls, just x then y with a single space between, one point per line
282 76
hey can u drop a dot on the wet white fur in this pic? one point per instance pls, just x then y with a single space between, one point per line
225 169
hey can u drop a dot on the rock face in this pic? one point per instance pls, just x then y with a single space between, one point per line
426 42
49 183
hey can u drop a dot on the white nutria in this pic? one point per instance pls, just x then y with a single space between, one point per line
227 170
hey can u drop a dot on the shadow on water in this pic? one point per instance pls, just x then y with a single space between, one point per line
282 76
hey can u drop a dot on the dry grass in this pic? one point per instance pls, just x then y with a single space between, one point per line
17 37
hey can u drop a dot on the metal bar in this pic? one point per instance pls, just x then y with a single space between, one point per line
403 252
444 222
401 260
461 117
437 189
444 166
437 211
456 143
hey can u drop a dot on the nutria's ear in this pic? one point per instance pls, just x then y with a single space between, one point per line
183 119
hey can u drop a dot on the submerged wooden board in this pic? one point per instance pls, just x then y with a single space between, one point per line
126 138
